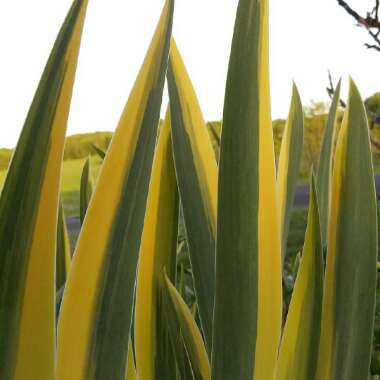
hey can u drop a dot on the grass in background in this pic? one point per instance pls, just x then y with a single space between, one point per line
72 171
82 146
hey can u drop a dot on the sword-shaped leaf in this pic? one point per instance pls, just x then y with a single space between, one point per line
86 189
62 260
196 171
248 300
182 322
154 357
29 213
96 314
298 355
63 257
179 350
100 152
289 165
350 280
131 370
325 165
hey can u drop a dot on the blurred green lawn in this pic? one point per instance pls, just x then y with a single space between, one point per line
71 175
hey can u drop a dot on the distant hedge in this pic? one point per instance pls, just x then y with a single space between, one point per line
77 146
81 145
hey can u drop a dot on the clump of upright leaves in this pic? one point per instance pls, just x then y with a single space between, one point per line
350 283
124 268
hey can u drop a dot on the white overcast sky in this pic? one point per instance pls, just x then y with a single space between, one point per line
307 37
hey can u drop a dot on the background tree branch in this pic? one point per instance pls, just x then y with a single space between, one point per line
370 22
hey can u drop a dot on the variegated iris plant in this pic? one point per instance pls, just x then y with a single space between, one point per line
123 313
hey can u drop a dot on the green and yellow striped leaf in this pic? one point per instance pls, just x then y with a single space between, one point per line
154 359
63 256
100 152
248 301
62 260
86 189
183 322
131 373
184 371
215 129
28 217
298 355
289 165
96 314
196 171
325 165
350 280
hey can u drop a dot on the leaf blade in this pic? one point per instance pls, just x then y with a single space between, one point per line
108 245
248 302
196 172
289 164
28 216
196 350
158 251
298 354
350 283
325 165
131 370
86 189
63 255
